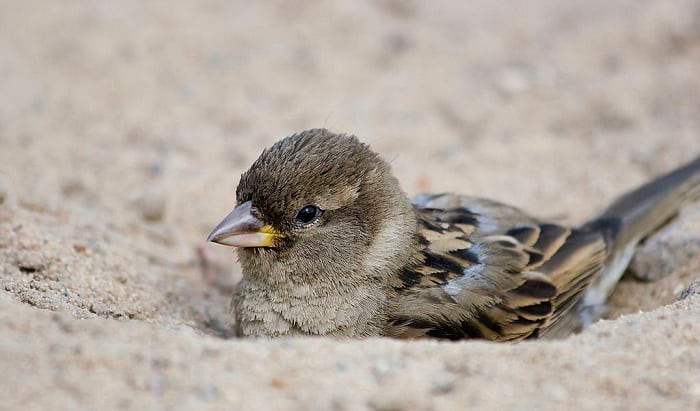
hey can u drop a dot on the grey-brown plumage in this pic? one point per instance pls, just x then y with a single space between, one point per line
330 245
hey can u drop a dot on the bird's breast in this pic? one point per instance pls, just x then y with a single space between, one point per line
303 309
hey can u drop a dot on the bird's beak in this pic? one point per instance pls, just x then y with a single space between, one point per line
242 229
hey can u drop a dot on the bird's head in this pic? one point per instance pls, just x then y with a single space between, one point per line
318 202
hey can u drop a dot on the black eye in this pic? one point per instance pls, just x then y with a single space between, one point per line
308 214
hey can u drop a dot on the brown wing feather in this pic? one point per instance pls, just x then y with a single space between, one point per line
511 284
571 269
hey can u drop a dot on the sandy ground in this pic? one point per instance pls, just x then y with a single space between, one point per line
124 127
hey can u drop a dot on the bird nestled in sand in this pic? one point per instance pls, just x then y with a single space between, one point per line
330 245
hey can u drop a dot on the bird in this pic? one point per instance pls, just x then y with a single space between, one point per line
330 245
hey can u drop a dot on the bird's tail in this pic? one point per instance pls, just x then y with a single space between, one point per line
630 219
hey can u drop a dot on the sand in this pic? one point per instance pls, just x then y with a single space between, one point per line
124 128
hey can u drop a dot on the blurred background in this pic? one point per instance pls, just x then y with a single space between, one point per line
124 126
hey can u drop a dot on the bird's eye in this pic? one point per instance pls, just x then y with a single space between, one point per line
308 214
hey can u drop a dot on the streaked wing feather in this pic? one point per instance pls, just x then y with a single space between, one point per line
491 216
507 284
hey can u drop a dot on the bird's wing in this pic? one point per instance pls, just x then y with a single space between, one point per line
506 285
491 216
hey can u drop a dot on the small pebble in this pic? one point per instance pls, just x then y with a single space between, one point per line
73 187
152 205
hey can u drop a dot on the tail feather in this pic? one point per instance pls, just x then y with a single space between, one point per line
641 211
630 219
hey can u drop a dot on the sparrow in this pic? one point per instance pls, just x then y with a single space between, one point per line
329 244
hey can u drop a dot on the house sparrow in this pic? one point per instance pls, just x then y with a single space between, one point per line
329 244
